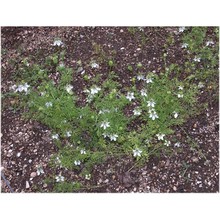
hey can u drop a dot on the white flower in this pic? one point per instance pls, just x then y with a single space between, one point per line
77 162
42 93
61 65
181 29
113 137
95 65
197 59
140 29
22 88
48 104
95 90
40 170
144 92
105 135
177 144
104 111
180 95
160 136
148 80
57 43
69 89
83 151
151 103
58 160
68 134
13 87
140 77
137 111
185 45
88 176
130 96
137 152
153 115
55 136
167 143
208 43
105 124
200 85
59 178
180 87
175 114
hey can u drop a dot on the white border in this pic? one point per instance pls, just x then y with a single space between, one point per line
109 13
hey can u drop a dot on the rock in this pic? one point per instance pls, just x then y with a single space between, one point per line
113 177
109 171
33 174
45 185
167 163
18 154
195 159
106 181
27 185
174 188
195 125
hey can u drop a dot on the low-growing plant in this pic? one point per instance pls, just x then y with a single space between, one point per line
136 121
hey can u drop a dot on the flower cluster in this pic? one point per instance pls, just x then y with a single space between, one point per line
153 114
180 94
48 104
130 96
69 89
88 176
57 43
184 45
160 136
144 92
105 124
68 134
147 79
94 65
55 136
197 59
175 114
137 111
103 111
82 151
112 137
21 88
208 43
77 162
137 152
181 29
59 178
91 93
40 170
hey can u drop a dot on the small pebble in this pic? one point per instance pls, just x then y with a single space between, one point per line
33 174
195 159
174 188
27 185
18 154
106 181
